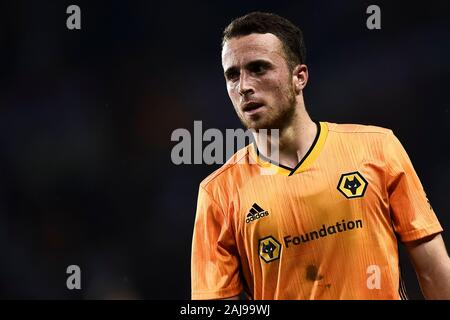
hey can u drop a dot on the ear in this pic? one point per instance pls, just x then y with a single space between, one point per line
300 77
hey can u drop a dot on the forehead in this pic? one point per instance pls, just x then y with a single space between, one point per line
240 50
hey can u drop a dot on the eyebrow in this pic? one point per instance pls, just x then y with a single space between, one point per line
249 65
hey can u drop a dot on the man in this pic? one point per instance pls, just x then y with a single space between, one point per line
324 224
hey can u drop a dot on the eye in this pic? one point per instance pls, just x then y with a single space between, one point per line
232 76
259 67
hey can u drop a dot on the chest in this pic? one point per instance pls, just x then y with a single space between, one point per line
305 202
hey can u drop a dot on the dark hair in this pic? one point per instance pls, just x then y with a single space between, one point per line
261 22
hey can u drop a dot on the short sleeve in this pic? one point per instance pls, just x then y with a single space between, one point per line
411 212
214 261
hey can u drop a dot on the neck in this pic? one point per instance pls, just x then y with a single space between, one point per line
292 142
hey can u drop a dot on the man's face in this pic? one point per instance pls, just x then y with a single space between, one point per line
259 82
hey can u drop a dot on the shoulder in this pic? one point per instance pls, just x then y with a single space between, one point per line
350 128
361 135
229 171
368 141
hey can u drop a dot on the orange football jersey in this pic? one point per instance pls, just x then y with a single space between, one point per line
326 229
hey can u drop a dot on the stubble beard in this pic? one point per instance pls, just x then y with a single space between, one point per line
279 118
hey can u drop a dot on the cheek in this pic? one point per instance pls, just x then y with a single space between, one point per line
284 88
234 97
276 89
274 82
232 93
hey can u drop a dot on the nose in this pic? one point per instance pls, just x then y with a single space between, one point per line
244 87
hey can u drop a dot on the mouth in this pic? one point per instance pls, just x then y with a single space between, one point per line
250 108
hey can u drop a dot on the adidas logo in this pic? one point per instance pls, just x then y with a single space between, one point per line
256 212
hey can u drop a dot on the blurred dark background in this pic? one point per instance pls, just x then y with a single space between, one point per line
86 117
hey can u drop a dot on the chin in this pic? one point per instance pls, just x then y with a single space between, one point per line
255 125
258 122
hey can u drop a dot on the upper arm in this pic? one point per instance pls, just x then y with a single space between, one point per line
214 262
428 255
412 215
